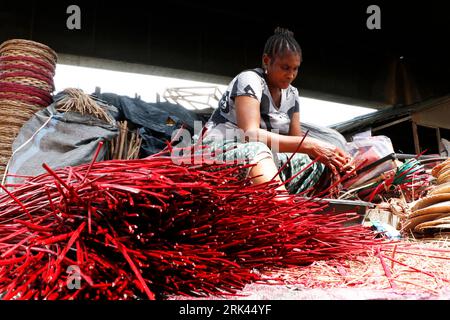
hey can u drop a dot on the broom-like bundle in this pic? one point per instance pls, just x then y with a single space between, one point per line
126 145
76 100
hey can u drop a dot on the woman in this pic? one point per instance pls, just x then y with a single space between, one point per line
258 121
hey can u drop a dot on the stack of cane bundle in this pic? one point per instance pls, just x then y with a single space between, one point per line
27 69
432 213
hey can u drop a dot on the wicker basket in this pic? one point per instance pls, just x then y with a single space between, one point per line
32 46
28 61
23 93
26 87
29 43
12 117
21 70
31 54
19 47
28 81
19 104
24 99
35 72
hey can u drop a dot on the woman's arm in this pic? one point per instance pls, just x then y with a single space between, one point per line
319 148
294 127
248 119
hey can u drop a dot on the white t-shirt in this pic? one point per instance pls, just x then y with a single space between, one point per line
252 83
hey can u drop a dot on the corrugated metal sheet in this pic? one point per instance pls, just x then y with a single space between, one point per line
432 112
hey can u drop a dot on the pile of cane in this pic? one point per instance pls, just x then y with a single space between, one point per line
147 228
27 69
431 214
410 180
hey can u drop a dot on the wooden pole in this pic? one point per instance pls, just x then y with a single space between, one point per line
438 135
416 138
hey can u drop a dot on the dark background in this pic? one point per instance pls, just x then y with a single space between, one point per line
343 60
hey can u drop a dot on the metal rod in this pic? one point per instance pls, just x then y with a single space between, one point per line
438 135
416 138
392 123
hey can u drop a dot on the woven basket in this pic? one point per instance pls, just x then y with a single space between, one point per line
31 54
27 52
28 81
15 114
24 88
24 98
36 72
37 47
6 142
5 152
18 67
25 93
16 47
13 73
24 42
30 98
12 117
3 161
28 61
19 104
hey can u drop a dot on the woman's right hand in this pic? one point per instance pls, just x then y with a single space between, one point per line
332 156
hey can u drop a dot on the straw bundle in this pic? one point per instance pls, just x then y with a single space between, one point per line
26 85
126 145
419 268
77 101
431 214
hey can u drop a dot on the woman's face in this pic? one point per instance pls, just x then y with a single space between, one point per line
282 70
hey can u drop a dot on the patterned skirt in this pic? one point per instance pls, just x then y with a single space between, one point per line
252 152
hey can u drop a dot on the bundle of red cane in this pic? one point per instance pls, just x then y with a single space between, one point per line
130 229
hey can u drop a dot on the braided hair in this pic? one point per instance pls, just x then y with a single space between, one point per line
280 42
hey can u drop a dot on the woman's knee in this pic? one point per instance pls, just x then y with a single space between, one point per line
259 147
259 151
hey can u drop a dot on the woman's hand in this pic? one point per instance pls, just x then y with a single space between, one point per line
331 156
